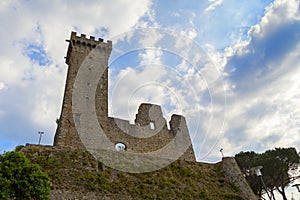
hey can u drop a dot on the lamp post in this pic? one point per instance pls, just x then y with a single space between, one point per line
221 150
258 173
40 133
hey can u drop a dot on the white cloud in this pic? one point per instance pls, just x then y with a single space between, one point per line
132 86
278 13
35 92
186 86
2 85
213 5
152 56
151 38
263 109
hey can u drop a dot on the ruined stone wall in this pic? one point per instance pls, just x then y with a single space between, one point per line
141 137
150 131
178 124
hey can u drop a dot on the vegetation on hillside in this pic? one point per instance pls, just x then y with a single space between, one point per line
20 179
79 172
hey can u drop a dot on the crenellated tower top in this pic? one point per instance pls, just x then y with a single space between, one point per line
84 43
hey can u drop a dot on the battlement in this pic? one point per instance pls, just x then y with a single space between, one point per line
83 40
87 44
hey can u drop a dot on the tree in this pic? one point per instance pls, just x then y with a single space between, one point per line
247 160
276 165
20 179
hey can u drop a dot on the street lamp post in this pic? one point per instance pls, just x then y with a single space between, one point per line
40 133
258 173
221 150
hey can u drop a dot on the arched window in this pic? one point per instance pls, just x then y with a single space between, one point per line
120 146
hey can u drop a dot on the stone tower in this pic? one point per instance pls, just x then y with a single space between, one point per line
150 131
79 48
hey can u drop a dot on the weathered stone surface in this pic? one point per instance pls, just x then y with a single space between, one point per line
149 133
234 175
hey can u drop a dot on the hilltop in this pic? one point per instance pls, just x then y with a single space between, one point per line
75 174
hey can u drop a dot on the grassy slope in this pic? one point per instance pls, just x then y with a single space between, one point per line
76 171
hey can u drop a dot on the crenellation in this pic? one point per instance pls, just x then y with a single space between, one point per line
73 34
85 45
91 40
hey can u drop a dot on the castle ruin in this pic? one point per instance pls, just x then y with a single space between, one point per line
149 133
132 137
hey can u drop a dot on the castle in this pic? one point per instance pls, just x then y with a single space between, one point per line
76 174
150 131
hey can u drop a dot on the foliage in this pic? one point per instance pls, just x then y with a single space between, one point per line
20 179
77 171
247 160
18 148
276 165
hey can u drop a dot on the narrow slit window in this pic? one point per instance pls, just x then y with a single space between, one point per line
152 125
77 119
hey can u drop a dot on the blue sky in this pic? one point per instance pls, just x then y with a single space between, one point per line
252 45
232 67
243 94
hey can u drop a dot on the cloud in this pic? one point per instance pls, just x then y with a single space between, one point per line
213 5
32 67
2 85
262 111
261 57
258 69
175 73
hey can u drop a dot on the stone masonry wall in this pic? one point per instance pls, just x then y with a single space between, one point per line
235 176
78 50
142 138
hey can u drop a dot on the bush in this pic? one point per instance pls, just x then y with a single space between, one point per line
19 179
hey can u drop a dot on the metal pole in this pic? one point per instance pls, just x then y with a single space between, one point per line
221 150
262 180
41 133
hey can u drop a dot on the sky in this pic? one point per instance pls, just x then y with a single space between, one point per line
231 67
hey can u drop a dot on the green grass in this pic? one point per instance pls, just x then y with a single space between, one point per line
78 171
